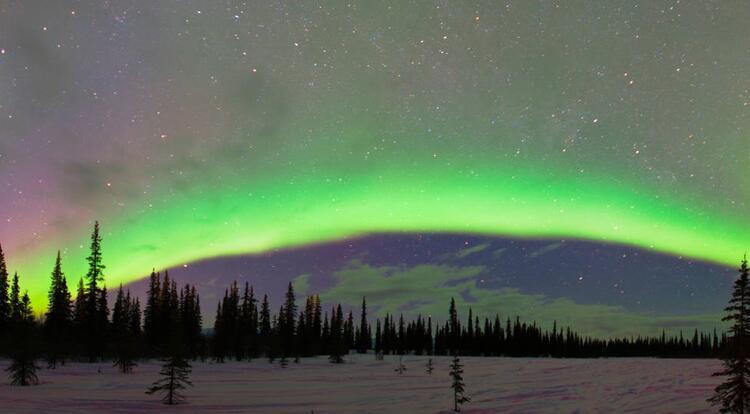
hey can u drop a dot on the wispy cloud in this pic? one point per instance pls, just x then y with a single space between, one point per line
427 289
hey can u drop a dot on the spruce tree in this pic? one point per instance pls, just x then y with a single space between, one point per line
135 322
94 314
176 369
273 340
337 342
190 317
150 323
401 335
119 314
349 331
162 318
102 322
325 335
25 312
95 273
300 339
455 328
15 302
123 332
457 384
79 313
248 322
175 377
428 339
219 342
22 370
4 295
264 322
363 335
305 334
227 335
733 395
58 321
378 338
317 325
287 322
196 323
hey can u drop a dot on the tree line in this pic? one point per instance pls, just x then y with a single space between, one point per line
245 330
170 326
245 327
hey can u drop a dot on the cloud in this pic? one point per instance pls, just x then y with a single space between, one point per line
497 254
546 249
301 285
471 250
426 289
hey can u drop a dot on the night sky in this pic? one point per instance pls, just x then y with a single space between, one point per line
200 129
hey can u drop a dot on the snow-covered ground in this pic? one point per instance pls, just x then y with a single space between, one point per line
364 385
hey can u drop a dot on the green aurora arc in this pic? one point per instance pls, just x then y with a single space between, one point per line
197 130
205 224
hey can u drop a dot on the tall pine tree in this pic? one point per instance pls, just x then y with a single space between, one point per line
4 296
264 322
287 322
364 340
150 323
190 317
733 395
249 322
15 302
58 321
93 326
23 347
125 327
337 341
79 314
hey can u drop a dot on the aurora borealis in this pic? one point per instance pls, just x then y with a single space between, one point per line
201 129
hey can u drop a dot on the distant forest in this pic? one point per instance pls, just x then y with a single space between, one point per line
87 328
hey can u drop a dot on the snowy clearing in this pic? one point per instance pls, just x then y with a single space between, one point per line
364 385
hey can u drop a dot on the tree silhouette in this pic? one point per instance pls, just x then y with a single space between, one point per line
264 325
242 330
22 370
15 302
287 321
363 334
58 321
458 384
175 374
337 342
94 312
453 328
191 319
125 330
4 298
151 328
102 322
248 322
79 313
733 395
